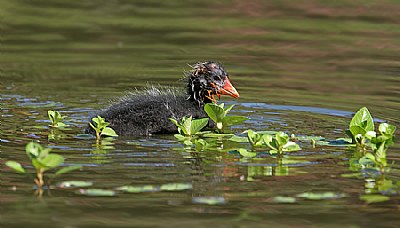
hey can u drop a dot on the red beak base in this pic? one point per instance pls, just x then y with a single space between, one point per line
228 89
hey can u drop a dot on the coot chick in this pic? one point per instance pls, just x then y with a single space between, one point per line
147 112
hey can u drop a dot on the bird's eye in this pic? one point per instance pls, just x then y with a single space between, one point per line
217 78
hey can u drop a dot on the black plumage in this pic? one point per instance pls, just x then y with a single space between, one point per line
147 112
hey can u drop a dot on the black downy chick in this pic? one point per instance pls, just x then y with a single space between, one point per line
147 112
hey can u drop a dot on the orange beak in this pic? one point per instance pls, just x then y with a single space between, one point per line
228 89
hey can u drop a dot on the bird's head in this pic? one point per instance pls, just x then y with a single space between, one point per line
207 81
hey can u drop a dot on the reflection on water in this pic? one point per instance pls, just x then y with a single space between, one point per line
323 111
301 68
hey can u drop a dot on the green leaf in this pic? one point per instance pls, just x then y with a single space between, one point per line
56 118
321 196
387 129
51 161
100 122
361 122
284 199
197 125
309 138
357 130
382 162
210 200
97 120
187 142
44 153
239 139
313 143
51 115
251 135
60 125
291 146
381 152
228 109
380 139
174 121
15 166
273 152
201 144
97 192
180 137
245 153
368 158
176 187
37 164
67 169
108 131
217 135
352 175
186 125
348 133
139 189
374 198
33 149
282 138
271 142
386 185
94 128
215 112
370 134
254 138
75 184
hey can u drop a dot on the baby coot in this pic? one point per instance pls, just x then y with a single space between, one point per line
147 112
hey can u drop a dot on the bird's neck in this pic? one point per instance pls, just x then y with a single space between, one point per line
196 94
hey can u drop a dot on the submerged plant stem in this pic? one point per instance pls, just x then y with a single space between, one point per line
98 136
39 193
39 181
382 169
364 149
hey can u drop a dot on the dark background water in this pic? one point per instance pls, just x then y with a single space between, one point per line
302 67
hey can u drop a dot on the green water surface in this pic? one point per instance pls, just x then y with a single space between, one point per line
301 67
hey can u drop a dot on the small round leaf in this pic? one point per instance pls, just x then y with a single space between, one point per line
108 131
15 166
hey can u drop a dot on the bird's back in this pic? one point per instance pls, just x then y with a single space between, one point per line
148 112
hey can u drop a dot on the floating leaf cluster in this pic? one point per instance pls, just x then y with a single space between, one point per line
42 160
370 153
101 127
56 119
373 144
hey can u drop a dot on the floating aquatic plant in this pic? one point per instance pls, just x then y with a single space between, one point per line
280 144
219 115
101 128
56 119
189 126
379 143
201 144
42 160
361 125
96 192
256 139
363 134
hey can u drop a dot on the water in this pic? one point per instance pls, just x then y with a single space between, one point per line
302 68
